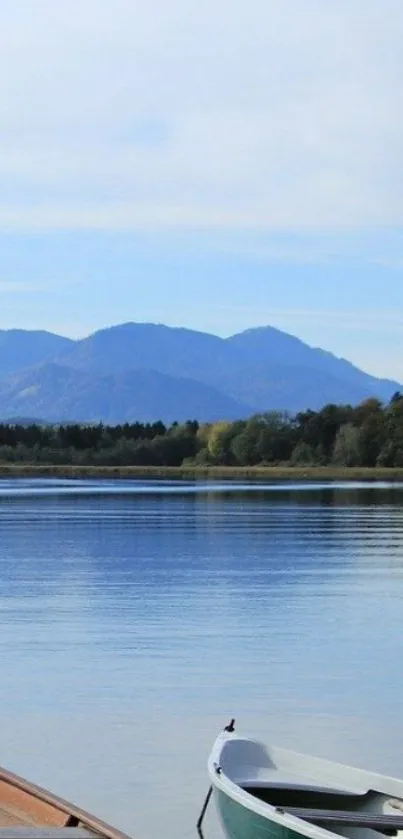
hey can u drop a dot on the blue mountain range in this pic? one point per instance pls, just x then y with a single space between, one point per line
146 372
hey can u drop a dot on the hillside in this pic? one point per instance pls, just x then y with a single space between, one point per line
58 394
149 371
20 348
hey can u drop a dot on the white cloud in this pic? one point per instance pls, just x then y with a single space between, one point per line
229 115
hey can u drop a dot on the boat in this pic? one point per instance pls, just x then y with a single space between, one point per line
29 812
267 792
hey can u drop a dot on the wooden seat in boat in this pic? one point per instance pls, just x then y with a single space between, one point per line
38 832
30 812
374 821
273 779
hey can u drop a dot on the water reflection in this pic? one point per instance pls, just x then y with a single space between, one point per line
136 617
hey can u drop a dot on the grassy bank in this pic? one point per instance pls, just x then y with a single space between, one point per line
258 473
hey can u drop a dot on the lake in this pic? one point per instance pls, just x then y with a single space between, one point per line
137 617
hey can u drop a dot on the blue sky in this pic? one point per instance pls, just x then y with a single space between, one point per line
217 166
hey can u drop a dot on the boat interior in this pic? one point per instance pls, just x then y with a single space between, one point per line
334 810
345 801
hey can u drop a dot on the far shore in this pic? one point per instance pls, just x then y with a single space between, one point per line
254 473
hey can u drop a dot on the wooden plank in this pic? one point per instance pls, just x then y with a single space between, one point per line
36 832
375 821
28 807
69 812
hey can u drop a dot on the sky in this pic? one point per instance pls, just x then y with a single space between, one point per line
220 166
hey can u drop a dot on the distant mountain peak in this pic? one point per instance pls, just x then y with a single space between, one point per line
150 326
137 370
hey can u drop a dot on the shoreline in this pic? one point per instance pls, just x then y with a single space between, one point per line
257 473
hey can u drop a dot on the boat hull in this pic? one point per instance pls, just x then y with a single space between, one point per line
241 823
263 792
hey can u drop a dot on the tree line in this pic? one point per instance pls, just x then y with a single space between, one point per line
370 434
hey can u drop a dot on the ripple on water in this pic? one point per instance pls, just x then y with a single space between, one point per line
137 616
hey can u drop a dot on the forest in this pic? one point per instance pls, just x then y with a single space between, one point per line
366 435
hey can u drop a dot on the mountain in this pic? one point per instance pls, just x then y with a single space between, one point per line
263 367
283 349
285 371
20 348
149 346
151 371
60 394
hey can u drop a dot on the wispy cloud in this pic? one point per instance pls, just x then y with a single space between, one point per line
227 116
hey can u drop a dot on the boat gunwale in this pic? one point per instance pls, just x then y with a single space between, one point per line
88 819
222 782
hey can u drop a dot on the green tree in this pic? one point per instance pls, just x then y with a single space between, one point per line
244 445
219 443
391 453
319 428
276 438
346 449
302 455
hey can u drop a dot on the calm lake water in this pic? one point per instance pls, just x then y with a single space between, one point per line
137 617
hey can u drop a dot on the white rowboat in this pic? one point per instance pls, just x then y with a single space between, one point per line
264 792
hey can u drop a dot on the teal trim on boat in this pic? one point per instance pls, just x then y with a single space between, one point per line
241 823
